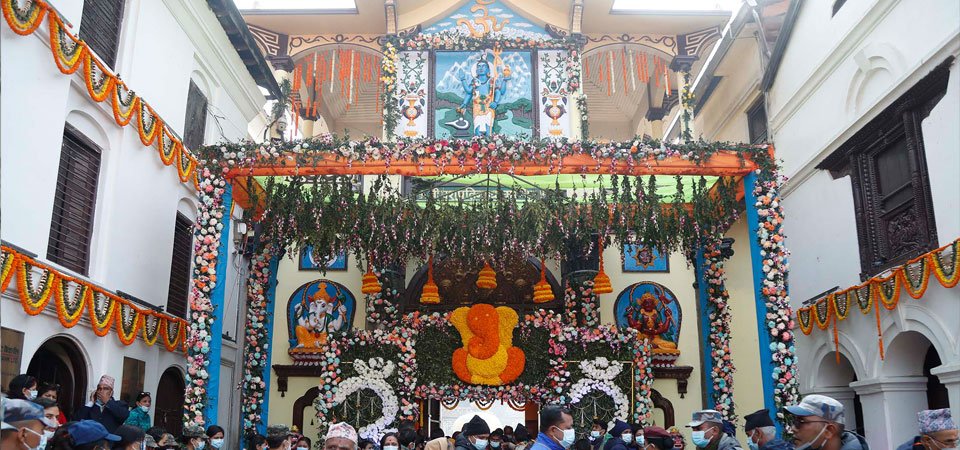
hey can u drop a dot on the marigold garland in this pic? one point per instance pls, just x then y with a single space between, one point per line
69 53
884 290
25 20
72 296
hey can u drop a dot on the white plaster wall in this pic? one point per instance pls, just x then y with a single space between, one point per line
836 75
163 45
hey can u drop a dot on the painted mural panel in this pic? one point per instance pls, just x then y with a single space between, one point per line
481 17
317 309
412 94
483 92
554 96
654 311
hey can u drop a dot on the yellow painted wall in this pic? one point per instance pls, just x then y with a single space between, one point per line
679 280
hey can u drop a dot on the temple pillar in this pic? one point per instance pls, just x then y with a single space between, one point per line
682 64
890 406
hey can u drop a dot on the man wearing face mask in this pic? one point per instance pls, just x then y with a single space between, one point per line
23 425
598 434
496 439
621 436
556 429
708 432
762 433
937 430
818 425
474 436
194 438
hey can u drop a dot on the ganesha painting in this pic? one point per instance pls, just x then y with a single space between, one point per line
316 310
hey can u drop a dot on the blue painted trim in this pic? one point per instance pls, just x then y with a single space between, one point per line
704 309
766 359
217 301
271 302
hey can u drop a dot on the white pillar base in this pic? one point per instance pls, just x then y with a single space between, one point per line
890 406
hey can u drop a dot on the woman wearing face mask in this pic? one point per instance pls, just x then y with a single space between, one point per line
23 387
258 442
194 438
389 442
215 434
140 413
304 443
52 391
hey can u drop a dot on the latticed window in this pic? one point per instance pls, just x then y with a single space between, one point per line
100 27
180 267
73 204
891 186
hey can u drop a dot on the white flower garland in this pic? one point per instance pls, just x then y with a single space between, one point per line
372 375
599 374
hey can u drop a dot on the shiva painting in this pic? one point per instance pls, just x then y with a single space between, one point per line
652 310
316 310
482 93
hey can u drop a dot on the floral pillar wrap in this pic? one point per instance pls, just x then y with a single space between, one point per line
255 341
772 286
206 242
719 316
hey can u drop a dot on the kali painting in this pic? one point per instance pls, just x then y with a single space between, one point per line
483 93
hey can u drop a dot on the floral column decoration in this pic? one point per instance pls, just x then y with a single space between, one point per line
643 382
210 213
381 306
773 253
719 334
255 339
580 303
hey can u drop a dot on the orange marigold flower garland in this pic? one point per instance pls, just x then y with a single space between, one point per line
7 268
128 322
24 19
102 307
67 50
34 297
487 278
70 306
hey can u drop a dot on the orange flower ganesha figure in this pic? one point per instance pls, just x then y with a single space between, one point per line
488 355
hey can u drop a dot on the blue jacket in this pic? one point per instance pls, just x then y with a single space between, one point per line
138 418
776 444
853 441
913 443
545 442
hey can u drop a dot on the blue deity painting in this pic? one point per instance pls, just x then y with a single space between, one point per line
641 258
310 260
652 310
316 310
483 93
482 17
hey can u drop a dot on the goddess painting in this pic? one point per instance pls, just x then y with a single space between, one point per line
654 312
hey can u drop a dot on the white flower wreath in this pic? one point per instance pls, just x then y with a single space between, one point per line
372 375
599 374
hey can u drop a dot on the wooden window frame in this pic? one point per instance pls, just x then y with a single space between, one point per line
901 121
195 120
757 107
54 245
177 290
108 56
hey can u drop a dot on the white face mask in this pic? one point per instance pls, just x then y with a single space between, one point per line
627 437
144 408
494 444
215 443
569 437
40 445
594 434
32 395
809 444
302 448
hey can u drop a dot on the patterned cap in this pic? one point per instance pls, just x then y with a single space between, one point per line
194 431
19 410
706 415
342 430
278 430
820 406
934 420
106 380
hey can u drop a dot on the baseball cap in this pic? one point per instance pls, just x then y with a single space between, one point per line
706 415
18 410
820 406
87 431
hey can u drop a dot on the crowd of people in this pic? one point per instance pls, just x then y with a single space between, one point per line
32 420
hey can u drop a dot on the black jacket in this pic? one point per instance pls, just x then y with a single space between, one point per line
111 415
462 443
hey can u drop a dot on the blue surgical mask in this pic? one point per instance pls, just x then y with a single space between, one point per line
481 444
627 437
144 408
594 434
641 441
700 439
216 443
494 444
569 437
